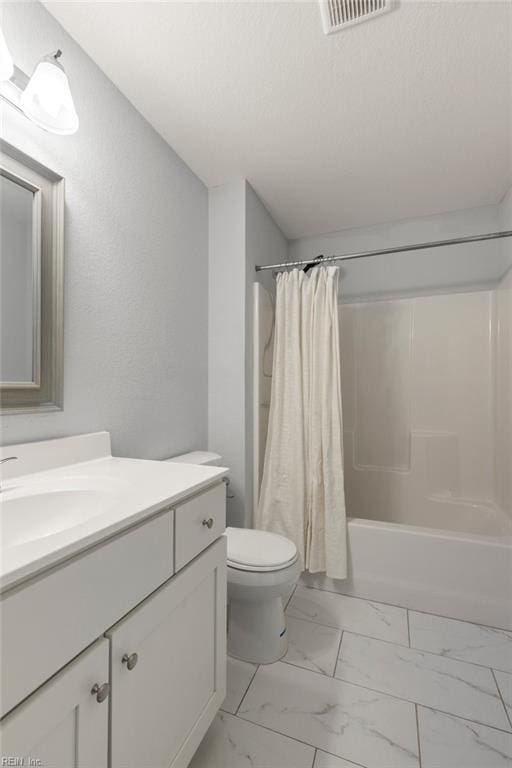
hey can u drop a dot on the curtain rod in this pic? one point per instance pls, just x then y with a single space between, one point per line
381 252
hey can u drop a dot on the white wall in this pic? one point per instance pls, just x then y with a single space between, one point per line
241 235
136 266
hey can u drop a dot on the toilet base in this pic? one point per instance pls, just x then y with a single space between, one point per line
257 630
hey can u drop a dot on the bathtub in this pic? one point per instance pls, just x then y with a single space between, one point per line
462 569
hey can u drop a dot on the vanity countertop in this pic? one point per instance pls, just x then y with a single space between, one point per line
50 515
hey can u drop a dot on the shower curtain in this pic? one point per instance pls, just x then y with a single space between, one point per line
302 493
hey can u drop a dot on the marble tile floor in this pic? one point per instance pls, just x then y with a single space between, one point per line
370 685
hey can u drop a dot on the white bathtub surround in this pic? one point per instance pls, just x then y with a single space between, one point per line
302 492
394 564
418 440
455 743
233 743
343 720
386 622
422 677
461 640
424 489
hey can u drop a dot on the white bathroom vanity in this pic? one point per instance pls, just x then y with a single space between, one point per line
113 606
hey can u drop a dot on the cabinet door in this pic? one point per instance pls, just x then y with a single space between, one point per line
162 706
60 612
62 725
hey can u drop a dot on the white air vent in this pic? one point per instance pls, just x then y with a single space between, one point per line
338 14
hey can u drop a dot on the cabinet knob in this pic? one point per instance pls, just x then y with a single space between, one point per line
209 522
130 660
100 691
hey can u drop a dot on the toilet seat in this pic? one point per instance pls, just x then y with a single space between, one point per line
259 551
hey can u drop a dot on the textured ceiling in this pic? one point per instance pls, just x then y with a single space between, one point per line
405 115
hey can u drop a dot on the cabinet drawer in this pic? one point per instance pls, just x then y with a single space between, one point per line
192 533
49 620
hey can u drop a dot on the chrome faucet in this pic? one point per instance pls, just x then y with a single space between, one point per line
7 458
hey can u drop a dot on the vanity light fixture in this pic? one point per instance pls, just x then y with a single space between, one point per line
6 63
45 98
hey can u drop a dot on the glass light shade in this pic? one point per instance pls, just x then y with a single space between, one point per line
6 62
47 98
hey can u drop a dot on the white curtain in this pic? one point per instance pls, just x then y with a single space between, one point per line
302 492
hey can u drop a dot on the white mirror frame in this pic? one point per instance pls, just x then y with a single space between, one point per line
44 392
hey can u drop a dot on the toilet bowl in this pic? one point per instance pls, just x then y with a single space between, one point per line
262 568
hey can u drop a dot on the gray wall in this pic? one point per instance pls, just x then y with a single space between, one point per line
440 270
136 263
226 334
242 234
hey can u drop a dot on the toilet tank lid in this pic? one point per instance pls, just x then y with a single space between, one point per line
197 457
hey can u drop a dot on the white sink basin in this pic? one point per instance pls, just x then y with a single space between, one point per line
41 508
29 517
73 494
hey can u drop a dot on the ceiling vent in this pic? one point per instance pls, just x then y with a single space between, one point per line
338 14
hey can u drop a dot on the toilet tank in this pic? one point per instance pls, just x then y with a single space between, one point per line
198 457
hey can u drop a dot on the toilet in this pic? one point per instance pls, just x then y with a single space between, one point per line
262 568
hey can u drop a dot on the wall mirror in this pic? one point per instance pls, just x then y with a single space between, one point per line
31 283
